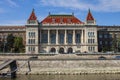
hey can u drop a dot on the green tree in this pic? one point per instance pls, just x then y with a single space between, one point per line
18 44
10 42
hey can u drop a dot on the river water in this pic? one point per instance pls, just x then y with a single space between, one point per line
67 77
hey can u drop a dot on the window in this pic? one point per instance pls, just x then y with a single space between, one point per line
91 48
100 42
69 38
89 40
110 42
53 38
29 34
106 42
61 38
29 41
105 35
91 34
93 40
77 38
110 35
31 48
100 36
44 38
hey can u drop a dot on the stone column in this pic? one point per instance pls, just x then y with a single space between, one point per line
40 36
73 36
48 36
56 36
82 36
65 37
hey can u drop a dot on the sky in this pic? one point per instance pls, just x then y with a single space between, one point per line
16 12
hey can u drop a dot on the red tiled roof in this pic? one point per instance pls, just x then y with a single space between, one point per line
61 19
32 16
89 16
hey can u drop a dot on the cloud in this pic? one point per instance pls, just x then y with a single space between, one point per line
12 3
95 5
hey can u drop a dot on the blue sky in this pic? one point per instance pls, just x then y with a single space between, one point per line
16 12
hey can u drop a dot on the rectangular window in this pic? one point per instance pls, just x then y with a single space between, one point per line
105 35
93 40
78 38
29 34
106 42
70 38
44 38
110 35
53 38
89 41
61 38
100 42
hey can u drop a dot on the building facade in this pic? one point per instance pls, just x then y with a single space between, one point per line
63 34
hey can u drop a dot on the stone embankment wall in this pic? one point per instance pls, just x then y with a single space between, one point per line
65 64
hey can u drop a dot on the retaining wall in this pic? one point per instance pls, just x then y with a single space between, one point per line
66 64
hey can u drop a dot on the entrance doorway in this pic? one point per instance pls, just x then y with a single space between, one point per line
70 50
61 50
53 50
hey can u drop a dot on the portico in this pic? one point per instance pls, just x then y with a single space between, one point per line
61 40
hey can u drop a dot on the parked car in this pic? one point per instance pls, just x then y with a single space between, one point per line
101 58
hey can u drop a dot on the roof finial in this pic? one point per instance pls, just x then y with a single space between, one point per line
49 13
33 10
72 13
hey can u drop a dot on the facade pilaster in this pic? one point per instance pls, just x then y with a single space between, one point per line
48 36
73 36
56 36
65 37
81 36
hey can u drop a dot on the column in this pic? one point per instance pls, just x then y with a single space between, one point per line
48 36
40 36
65 37
56 36
73 36
82 36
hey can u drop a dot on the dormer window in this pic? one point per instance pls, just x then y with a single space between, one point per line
61 20
69 20
53 20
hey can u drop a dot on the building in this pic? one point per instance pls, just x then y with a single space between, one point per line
63 34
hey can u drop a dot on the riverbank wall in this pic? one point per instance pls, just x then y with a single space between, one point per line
65 64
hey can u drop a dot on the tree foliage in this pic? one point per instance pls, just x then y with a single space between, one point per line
18 44
10 42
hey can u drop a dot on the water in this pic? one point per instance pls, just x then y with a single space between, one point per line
67 77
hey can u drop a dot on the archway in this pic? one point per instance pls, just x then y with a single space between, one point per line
53 50
70 50
61 50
